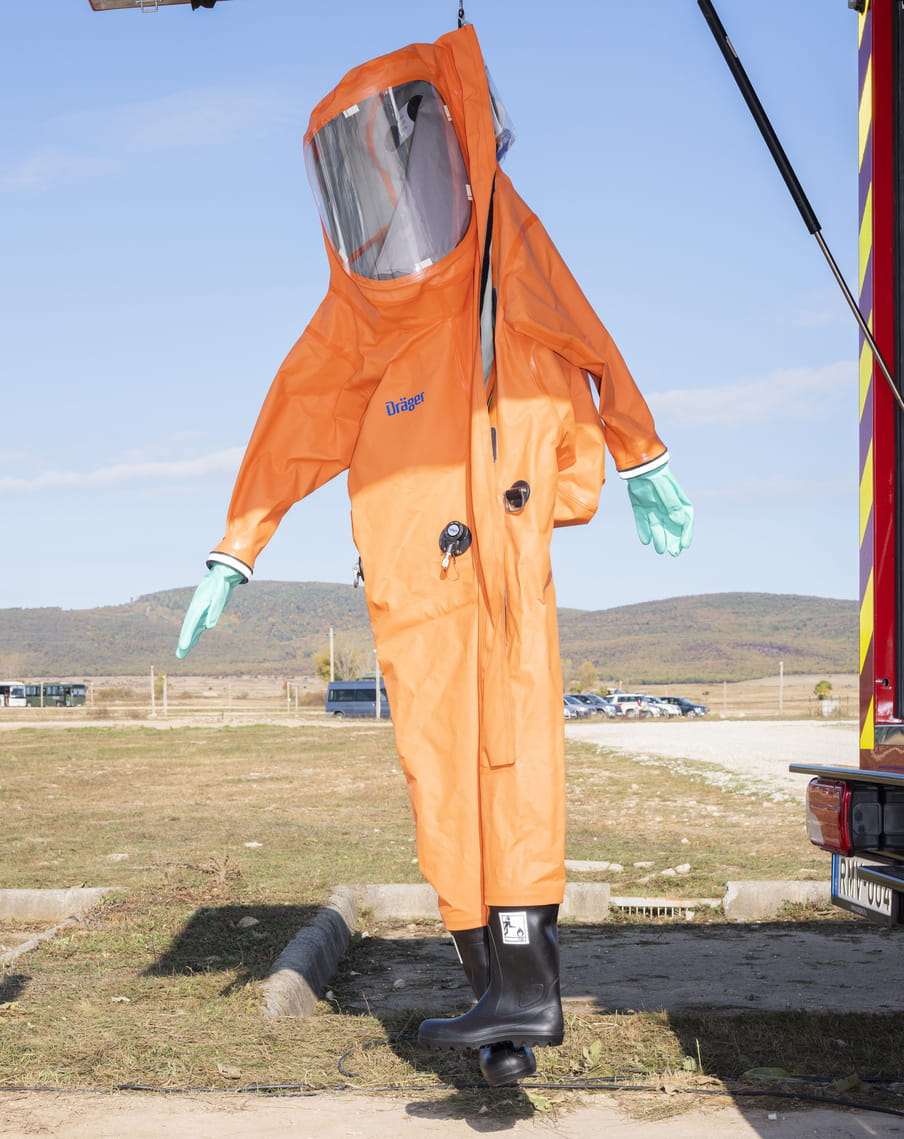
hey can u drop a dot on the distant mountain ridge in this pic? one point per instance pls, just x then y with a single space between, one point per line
274 627
714 636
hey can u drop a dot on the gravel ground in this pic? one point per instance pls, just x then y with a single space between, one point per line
760 750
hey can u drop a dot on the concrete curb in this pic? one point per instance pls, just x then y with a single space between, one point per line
758 901
584 902
61 907
398 901
33 942
589 902
50 905
308 962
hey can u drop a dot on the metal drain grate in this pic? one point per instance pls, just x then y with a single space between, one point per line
664 907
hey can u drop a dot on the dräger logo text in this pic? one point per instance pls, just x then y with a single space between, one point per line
409 403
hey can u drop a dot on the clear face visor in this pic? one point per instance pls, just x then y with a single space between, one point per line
390 182
503 126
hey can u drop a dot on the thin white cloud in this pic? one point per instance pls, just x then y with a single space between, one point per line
830 313
791 393
775 488
210 117
96 143
18 459
51 166
220 462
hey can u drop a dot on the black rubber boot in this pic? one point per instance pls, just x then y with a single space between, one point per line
522 1004
503 1063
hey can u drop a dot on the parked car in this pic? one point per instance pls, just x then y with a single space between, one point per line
633 705
595 703
571 713
686 707
581 710
661 707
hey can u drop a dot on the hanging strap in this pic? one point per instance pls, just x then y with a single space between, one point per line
488 307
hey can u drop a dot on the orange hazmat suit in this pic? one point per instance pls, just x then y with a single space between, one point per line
447 371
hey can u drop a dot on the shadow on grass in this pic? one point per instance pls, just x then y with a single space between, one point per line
243 939
801 1042
12 986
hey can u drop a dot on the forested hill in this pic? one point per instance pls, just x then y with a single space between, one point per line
714 636
273 627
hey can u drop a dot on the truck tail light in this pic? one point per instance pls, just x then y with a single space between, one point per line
844 817
828 805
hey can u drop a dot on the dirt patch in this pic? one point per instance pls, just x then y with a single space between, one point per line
349 1116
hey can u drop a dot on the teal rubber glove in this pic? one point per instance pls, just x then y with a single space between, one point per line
207 605
662 513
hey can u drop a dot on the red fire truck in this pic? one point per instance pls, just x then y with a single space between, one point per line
857 813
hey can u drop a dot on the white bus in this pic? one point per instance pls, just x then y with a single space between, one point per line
12 694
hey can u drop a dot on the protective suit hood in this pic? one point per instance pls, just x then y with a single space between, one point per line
402 163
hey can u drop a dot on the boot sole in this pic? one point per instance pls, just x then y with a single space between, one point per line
511 1079
507 1079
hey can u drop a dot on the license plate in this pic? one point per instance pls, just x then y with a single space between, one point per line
854 893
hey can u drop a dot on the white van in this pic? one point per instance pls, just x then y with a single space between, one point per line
356 698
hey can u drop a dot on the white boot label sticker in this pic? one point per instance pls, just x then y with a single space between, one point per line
514 927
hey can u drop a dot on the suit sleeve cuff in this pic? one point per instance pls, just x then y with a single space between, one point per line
645 468
218 558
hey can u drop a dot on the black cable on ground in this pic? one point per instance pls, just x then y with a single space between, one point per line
277 1091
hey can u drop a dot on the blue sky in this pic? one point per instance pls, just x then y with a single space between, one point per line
160 251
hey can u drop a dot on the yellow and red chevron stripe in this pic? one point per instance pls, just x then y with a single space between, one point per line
867 619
